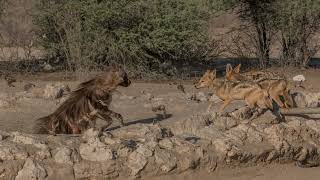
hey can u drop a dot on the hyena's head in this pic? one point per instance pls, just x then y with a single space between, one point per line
207 79
113 77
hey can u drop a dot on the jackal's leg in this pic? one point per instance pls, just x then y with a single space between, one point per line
276 98
288 99
224 105
209 107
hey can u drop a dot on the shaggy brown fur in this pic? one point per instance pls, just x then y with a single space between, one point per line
84 105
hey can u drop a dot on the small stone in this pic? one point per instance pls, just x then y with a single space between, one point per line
123 152
63 156
136 162
28 139
166 160
10 151
96 170
111 141
214 99
144 150
32 171
166 144
95 153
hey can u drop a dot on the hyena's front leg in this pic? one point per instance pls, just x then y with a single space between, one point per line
109 113
106 118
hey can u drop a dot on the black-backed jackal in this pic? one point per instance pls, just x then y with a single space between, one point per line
275 84
228 91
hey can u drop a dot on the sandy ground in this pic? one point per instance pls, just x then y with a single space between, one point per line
270 172
22 116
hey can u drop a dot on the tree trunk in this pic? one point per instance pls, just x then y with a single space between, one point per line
263 43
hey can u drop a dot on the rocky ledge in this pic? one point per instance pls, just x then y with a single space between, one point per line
201 141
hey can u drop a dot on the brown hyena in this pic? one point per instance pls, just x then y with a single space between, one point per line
84 105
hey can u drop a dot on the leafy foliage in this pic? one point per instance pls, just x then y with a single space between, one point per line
298 22
136 33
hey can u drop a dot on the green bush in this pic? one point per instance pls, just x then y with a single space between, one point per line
137 33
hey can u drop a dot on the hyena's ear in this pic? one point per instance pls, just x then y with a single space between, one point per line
237 69
228 69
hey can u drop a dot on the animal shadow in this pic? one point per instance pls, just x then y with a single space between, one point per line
158 118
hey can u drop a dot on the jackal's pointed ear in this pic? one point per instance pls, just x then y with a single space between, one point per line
208 71
228 69
213 74
237 69
114 66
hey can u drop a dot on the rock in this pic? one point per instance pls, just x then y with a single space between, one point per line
10 169
96 170
166 144
209 133
188 161
21 138
299 78
54 91
95 152
214 99
140 132
243 113
314 125
9 151
42 154
144 150
28 86
299 100
48 68
202 97
126 97
93 149
224 123
312 99
238 134
63 155
32 171
166 160
192 124
111 141
306 99
147 96
199 97
91 135
7 100
59 172
136 162
124 152
3 135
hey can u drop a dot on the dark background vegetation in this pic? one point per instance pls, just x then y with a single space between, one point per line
156 38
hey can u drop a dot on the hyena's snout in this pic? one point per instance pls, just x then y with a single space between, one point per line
126 82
